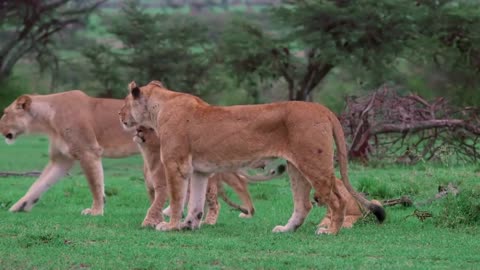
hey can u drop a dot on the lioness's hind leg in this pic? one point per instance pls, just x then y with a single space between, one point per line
301 199
320 173
328 193
92 167
53 172
198 189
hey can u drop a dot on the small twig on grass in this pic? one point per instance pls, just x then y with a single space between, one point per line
442 192
31 174
404 200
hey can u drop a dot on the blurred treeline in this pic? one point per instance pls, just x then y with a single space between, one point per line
232 52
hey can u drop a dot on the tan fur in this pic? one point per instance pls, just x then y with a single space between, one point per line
353 212
80 128
199 139
155 180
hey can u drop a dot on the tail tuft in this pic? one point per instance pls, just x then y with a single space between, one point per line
281 169
378 211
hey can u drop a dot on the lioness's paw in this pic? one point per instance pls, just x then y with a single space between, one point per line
21 206
280 229
189 225
322 230
242 215
151 222
166 226
92 212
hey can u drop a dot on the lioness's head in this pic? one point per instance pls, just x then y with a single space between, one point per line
16 119
126 117
135 111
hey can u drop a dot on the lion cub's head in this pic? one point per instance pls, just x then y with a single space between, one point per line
16 119
146 137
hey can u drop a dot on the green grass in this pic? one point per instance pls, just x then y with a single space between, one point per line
55 236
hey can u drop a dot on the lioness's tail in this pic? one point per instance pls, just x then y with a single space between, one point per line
263 177
339 136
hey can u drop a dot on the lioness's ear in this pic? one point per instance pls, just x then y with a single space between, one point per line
24 102
132 85
136 92
157 83
134 89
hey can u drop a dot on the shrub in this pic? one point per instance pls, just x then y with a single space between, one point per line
461 210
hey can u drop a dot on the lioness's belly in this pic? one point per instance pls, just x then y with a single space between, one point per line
120 151
204 166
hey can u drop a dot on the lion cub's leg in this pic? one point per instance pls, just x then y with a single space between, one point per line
177 176
301 199
240 185
336 205
352 212
92 167
148 183
327 220
198 188
212 200
57 168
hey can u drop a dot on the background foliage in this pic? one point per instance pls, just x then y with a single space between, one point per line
232 52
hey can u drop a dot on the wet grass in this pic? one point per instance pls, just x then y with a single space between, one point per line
55 236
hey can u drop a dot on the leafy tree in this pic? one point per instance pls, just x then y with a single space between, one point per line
104 68
28 27
175 49
313 37
451 41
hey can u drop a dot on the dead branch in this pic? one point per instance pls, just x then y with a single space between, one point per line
404 200
30 174
409 128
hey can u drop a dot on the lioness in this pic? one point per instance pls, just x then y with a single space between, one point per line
199 139
80 128
155 181
353 212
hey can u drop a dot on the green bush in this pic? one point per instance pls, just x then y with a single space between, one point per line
375 188
460 211
10 89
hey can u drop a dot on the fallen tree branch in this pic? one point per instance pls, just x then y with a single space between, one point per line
30 174
408 129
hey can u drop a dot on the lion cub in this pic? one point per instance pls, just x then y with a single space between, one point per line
155 182
353 211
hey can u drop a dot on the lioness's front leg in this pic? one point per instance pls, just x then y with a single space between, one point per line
198 188
92 167
158 184
177 174
57 168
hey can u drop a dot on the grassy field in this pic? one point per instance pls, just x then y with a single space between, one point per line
55 236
